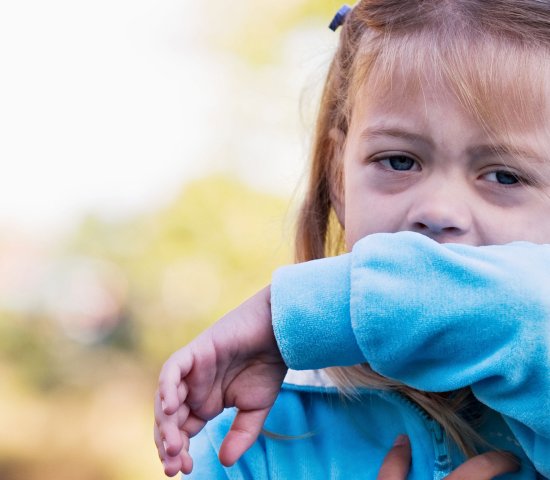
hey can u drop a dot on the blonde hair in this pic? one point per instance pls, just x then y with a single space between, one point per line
479 50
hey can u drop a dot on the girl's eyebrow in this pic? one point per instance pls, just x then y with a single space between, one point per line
505 149
478 151
372 133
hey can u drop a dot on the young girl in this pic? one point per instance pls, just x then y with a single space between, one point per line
432 160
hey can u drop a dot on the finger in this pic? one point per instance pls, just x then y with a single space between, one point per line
159 443
173 463
182 415
192 425
201 380
159 413
182 392
186 461
168 428
181 463
243 433
171 388
486 466
397 462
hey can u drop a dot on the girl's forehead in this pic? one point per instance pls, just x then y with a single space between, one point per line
434 115
504 89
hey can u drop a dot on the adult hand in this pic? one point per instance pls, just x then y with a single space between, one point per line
482 467
235 363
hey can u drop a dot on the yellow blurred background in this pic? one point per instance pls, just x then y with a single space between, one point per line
152 153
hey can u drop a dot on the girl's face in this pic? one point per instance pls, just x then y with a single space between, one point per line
421 163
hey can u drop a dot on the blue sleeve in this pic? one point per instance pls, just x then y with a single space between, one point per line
435 317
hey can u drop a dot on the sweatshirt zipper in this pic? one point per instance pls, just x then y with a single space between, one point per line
443 462
442 465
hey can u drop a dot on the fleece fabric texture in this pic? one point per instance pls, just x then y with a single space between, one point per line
437 317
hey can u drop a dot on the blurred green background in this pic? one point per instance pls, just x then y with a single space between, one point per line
89 311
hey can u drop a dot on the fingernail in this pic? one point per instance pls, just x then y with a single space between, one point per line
165 446
163 403
400 441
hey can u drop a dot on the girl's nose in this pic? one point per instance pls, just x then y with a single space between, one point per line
441 211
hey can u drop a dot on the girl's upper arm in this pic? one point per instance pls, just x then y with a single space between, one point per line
436 317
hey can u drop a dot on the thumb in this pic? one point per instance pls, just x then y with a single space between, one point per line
243 433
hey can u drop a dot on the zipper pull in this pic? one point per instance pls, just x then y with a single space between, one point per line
442 465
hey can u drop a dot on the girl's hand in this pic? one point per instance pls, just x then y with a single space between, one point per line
236 362
482 467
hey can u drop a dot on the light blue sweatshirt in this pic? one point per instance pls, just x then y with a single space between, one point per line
435 317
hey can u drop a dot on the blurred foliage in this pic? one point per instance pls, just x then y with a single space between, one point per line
187 264
31 349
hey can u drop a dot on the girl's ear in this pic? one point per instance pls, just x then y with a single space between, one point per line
336 175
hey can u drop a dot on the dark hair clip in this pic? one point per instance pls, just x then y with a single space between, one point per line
339 17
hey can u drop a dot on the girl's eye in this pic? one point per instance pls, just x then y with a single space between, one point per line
503 177
398 162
